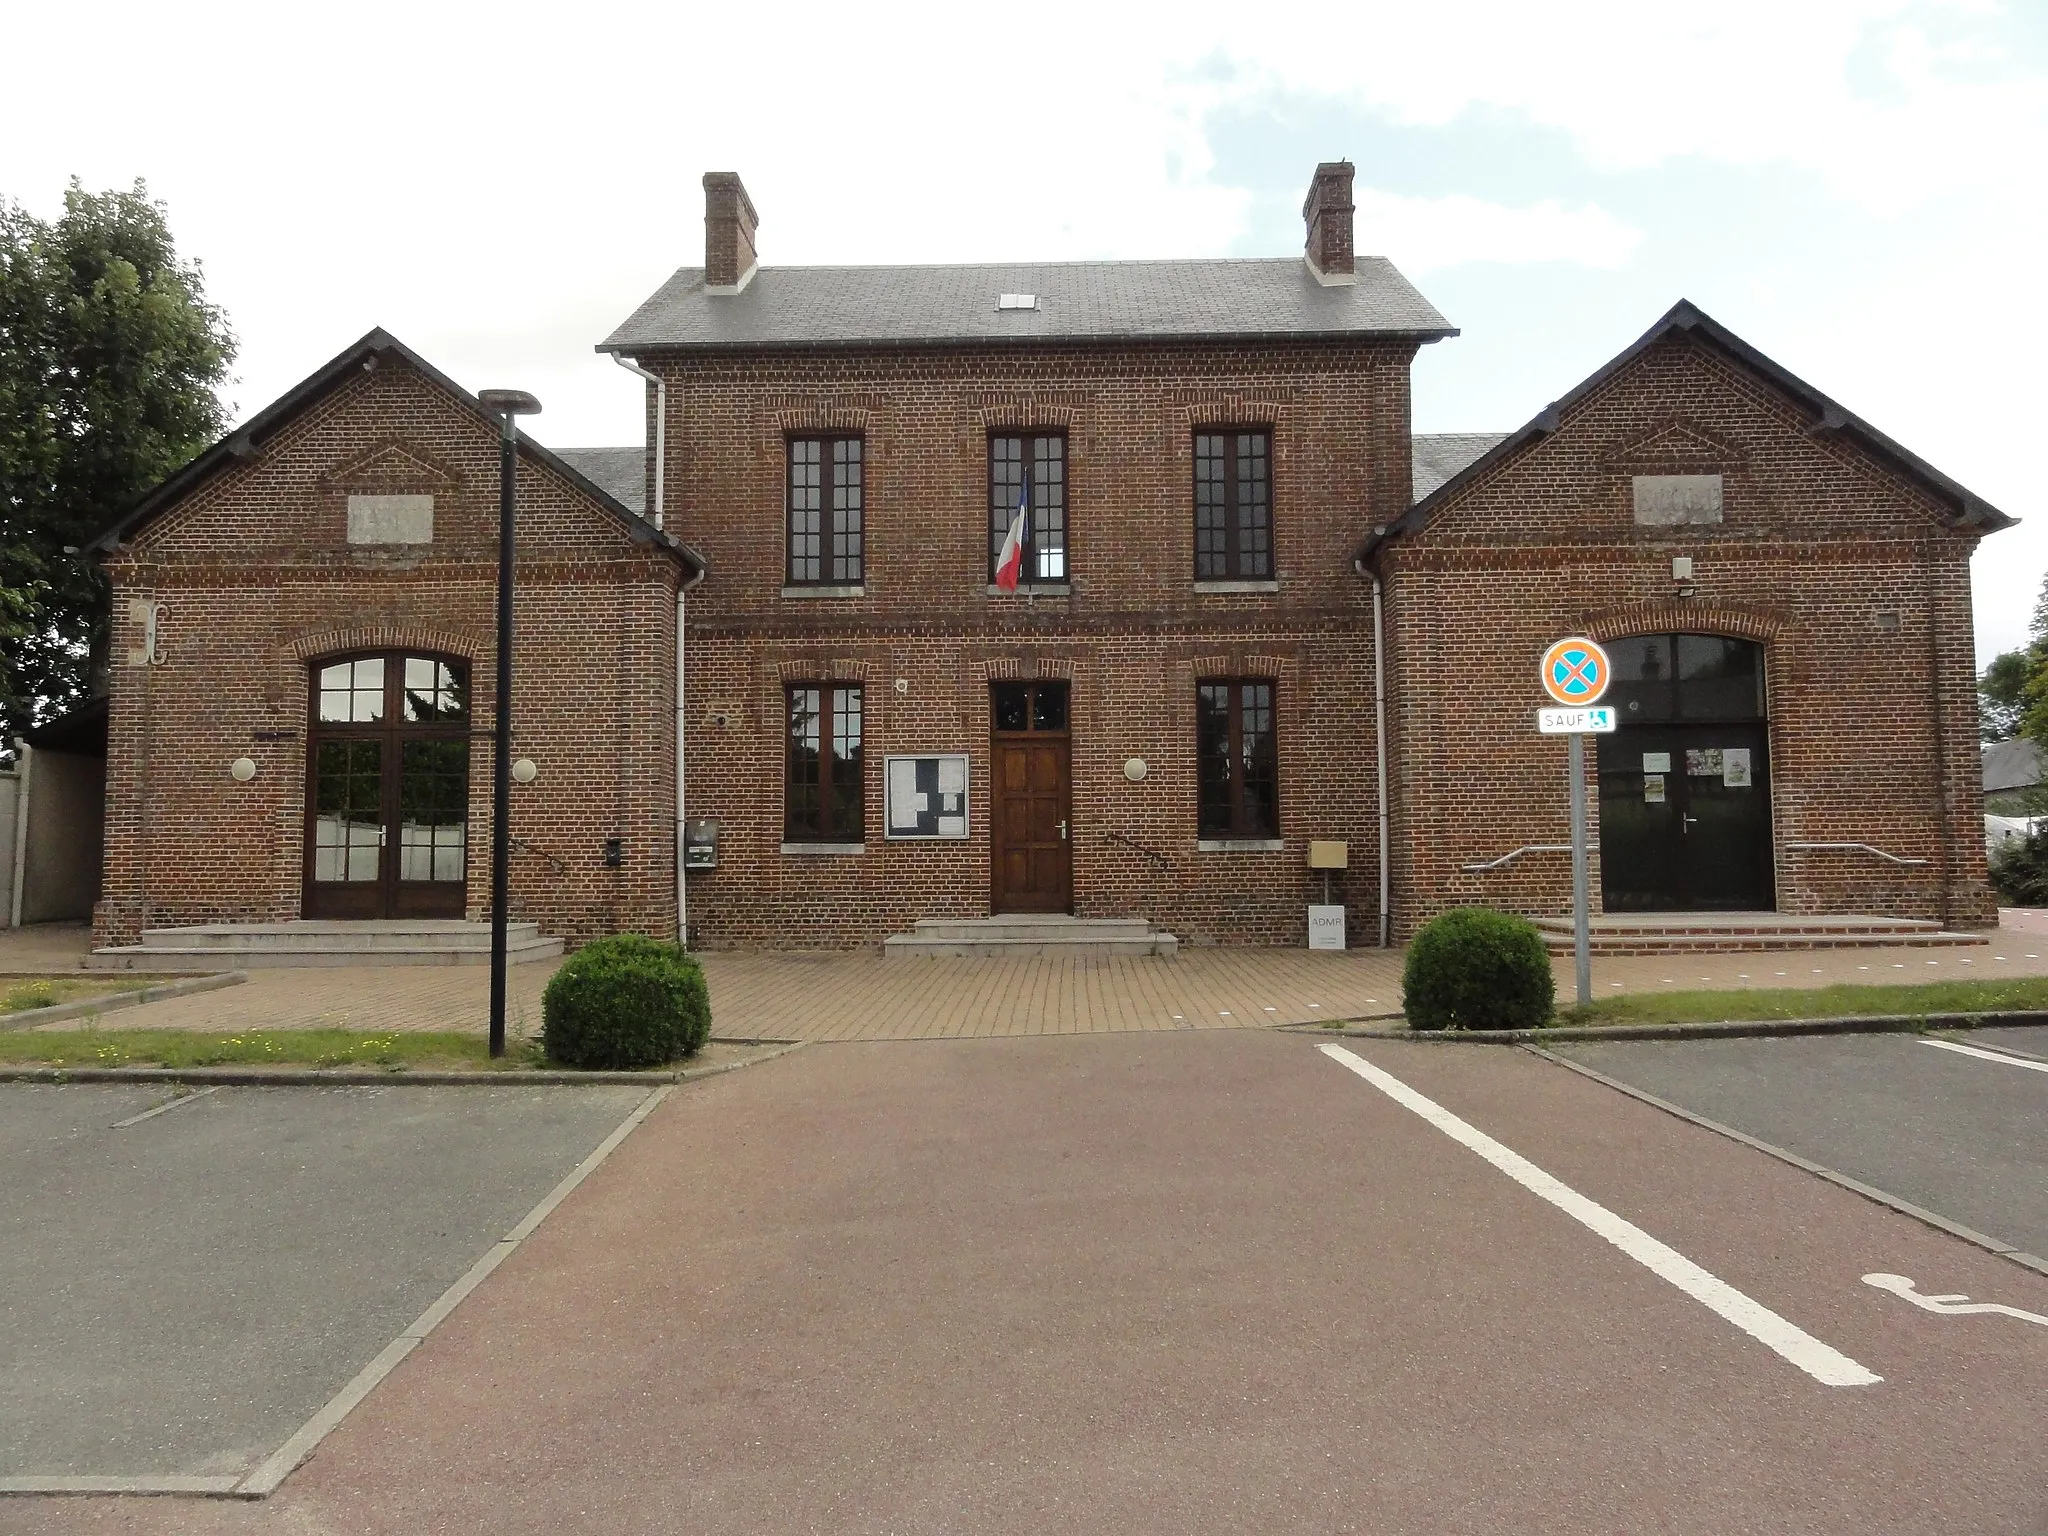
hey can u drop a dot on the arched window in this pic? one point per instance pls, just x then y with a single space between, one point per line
387 786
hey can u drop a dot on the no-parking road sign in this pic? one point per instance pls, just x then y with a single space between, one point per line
1575 671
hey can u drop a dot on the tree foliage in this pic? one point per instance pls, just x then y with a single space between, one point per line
2001 695
110 357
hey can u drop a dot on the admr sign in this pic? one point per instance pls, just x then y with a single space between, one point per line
1575 673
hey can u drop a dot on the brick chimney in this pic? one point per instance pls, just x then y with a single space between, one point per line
1328 216
729 221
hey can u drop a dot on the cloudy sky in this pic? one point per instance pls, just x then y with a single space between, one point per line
1855 186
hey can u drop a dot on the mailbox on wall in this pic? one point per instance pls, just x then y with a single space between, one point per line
700 845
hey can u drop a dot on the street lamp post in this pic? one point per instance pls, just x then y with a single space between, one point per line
508 405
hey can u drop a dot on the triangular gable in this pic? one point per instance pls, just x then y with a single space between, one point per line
247 441
1676 447
1965 509
392 465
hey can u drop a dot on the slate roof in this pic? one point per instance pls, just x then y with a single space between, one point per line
247 440
1967 509
1438 456
621 472
1077 301
2011 765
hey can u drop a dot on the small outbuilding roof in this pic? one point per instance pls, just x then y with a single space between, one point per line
2011 765
1437 456
1970 511
1069 301
246 440
620 471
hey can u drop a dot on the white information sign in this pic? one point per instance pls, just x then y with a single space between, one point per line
1326 926
926 797
1575 722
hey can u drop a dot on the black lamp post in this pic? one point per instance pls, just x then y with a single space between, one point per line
508 405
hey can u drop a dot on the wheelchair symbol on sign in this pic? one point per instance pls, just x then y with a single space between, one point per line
1575 671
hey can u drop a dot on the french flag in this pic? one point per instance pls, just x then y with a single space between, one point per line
1010 564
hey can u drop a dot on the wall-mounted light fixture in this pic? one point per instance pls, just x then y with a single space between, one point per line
1135 769
524 771
242 770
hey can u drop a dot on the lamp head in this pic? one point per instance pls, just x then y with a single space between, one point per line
508 402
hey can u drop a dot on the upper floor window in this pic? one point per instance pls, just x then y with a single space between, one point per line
824 511
1037 461
822 797
1233 506
1237 762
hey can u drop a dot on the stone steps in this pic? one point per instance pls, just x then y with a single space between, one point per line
1688 933
1031 934
252 946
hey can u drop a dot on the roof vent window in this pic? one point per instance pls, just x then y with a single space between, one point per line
1017 301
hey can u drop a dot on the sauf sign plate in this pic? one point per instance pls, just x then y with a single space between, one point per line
1575 722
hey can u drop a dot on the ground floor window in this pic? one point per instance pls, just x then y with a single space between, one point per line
1237 761
822 800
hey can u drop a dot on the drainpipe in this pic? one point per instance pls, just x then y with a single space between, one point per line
659 519
1379 717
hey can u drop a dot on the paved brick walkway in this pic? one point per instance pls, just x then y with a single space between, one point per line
865 997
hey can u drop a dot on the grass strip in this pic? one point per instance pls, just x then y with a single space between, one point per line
46 991
397 1050
2018 994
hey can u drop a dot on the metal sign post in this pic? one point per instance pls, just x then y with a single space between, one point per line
1575 673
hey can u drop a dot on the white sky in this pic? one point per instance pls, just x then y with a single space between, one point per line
1855 186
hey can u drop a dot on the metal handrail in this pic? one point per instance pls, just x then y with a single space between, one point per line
1130 842
1889 858
1508 858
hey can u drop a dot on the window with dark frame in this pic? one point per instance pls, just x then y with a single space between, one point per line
1237 760
822 796
825 506
1233 505
1043 456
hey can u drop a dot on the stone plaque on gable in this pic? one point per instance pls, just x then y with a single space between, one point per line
390 519
1673 501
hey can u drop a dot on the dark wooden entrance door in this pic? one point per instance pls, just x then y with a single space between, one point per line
1031 802
1685 783
387 788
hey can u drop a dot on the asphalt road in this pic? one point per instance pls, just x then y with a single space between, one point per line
1195 1283
182 1293
1964 1137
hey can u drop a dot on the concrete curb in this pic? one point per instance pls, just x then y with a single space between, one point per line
1720 1029
1870 1192
355 1077
30 1018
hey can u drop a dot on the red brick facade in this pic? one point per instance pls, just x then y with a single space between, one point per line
926 636
1855 579
257 579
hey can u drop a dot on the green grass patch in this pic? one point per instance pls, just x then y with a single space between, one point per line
18 995
1847 1001
394 1051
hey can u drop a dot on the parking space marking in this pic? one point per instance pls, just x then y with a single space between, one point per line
1825 1364
147 1114
1983 1055
1952 1305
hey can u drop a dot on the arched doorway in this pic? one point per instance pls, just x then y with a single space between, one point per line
387 787
1685 792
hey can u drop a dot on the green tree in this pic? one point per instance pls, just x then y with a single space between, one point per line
110 357
2002 695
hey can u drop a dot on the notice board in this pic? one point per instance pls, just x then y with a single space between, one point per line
926 797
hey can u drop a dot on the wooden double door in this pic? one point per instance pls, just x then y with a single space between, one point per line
1031 798
387 787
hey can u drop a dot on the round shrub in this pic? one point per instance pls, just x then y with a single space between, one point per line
624 1003
1474 968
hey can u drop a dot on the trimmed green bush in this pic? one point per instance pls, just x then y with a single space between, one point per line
1474 968
2019 871
624 1003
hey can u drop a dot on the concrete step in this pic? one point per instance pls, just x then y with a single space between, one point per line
1751 943
1873 930
1031 934
253 946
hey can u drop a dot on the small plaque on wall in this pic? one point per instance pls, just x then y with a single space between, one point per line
927 797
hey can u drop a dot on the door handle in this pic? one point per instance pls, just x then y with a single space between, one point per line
1063 831
1689 820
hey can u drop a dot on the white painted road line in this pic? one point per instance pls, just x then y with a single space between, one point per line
1952 1306
1983 1055
1826 1365
147 1114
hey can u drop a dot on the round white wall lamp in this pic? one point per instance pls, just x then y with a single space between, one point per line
524 772
1135 769
242 770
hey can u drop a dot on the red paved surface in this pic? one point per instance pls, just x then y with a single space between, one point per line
1175 1282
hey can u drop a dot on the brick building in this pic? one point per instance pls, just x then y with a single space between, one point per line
1202 477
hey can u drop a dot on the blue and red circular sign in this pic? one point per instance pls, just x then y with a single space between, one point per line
1575 671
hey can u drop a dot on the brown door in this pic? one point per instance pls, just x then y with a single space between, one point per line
387 788
1031 804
